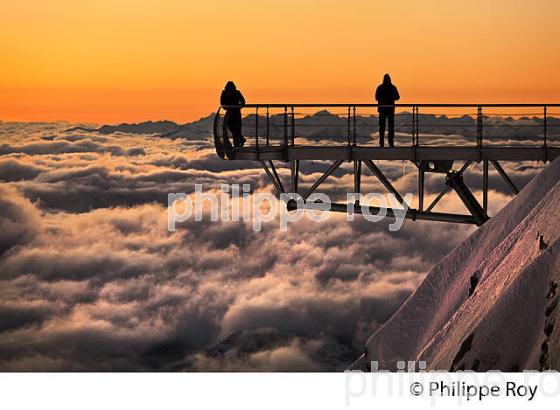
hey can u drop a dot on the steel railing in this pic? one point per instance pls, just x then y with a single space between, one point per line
278 125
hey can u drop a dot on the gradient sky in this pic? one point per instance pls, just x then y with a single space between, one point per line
133 60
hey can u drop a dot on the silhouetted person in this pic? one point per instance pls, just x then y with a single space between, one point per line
386 94
232 96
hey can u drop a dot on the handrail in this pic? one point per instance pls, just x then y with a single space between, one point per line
366 105
287 123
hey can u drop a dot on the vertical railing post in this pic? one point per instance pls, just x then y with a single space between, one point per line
286 132
412 129
293 127
417 128
479 131
420 169
257 130
348 135
545 134
285 126
485 186
267 128
413 132
354 116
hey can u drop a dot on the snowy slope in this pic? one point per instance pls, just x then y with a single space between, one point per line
508 323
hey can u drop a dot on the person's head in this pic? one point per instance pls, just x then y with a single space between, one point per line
230 86
386 79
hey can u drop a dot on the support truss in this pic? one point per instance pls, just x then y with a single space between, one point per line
454 181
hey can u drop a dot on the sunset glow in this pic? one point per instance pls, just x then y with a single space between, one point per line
132 60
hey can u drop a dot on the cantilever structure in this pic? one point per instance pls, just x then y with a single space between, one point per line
275 137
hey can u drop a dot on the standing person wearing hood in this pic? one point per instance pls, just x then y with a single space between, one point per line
386 94
232 96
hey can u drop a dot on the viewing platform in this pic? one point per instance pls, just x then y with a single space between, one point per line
433 137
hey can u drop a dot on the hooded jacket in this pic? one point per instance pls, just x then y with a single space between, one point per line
386 94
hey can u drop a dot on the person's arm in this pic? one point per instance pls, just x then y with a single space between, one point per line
397 96
241 99
377 94
222 99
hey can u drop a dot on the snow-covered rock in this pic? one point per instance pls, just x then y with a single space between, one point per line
492 302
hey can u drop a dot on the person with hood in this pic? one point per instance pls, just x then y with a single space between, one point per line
231 96
386 94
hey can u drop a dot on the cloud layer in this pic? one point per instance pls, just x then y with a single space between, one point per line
90 278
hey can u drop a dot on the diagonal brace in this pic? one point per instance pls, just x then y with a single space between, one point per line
273 168
276 182
447 187
377 172
505 177
328 172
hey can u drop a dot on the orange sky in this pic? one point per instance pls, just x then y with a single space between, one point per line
133 60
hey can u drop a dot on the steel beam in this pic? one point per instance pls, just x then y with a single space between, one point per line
444 191
295 174
413 214
505 177
333 153
377 172
455 180
277 184
328 172
447 187
357 178
273 168
420 189
485 187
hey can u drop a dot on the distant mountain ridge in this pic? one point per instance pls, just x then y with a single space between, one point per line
164 128
323 124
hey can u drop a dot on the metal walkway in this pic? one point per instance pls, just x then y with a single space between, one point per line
433 141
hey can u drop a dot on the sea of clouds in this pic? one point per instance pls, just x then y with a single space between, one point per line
91 279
